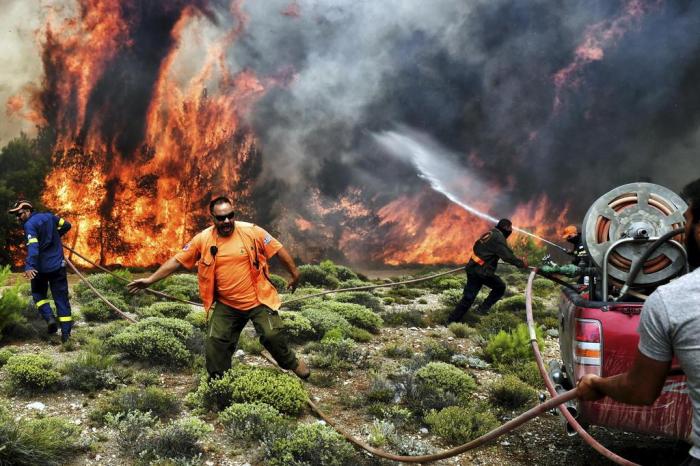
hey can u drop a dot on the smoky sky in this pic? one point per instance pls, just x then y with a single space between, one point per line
478 77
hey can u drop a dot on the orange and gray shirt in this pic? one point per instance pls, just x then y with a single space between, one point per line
233 270
487 250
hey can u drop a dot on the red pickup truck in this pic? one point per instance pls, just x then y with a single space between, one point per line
629 236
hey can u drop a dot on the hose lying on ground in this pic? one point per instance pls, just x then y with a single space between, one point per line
550 387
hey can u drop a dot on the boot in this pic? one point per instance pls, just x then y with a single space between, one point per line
302 370
65 337
52 325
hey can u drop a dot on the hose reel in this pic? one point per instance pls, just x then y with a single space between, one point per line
622 224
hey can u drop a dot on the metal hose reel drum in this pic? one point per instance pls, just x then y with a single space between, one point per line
622 223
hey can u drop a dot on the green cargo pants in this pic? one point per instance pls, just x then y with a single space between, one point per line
224 328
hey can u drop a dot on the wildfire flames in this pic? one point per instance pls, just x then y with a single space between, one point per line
147 136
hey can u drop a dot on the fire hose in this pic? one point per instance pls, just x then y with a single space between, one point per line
550 387
557 400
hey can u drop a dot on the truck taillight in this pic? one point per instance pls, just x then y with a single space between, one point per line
588 343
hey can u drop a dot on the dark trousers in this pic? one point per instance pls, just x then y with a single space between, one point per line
471 289
58 283
224 329
690 461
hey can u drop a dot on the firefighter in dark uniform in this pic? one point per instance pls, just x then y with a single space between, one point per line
579 256
45 265
481 270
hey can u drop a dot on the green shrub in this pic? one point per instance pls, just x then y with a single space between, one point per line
403 291
510 392
528 372
12 304
353 283
437 350
461 330
245 384
460 424
511 348
335 353
300 293
250 344
449 298
5 355
438 385
544 286
340 272
309 444
49 441
359 334
380 389
144 438
315 275
31 373
253 421
516 304
398 351
355 314
91 371
197 318
180 285
104 283
364 298
494 322
324 320
97 310
278 282
167 309
156 341
156 400
296 327
407 318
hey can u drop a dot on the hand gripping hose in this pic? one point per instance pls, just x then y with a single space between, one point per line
550 387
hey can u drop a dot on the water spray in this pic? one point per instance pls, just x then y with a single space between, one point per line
436 165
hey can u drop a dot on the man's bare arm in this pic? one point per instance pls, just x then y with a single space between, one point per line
641 385
291 267
168 267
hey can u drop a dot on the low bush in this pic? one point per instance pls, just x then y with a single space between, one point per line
510 393
253 421
105 284
358 334
529 373
245 384
355 314
298 303
437 350
250 343
407 318
96 310
315 275
144 438
5 355
296 327
511 348
31 373
324 320
12 304
91 370
363 298
516 304
460 424
402 291
156 341
315 444
49 441
446 283
278 282
542 286
494 322
460 330
197 318
336 353
166 309
340 272
156 400
353 283
450 298
380 389
398 351
180 285
438 385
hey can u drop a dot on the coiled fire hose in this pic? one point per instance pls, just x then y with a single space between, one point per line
557 400
550 387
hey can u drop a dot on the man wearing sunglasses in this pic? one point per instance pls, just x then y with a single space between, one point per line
45 265
233 274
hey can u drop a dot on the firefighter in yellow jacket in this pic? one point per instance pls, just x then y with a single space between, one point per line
234 285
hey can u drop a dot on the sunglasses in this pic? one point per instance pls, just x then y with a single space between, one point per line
221 218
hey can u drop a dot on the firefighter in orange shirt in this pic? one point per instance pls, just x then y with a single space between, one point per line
233 275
